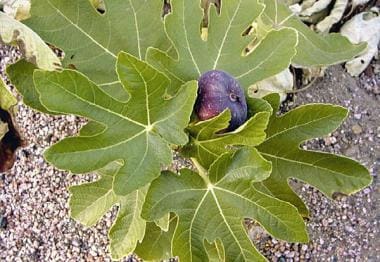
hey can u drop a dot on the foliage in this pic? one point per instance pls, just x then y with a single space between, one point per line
92 40
145 125
7 101
212 206
312 49
140 111
9 137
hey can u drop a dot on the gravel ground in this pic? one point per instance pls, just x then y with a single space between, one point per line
33 195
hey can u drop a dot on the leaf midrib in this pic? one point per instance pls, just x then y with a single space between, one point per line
308 164
105 148
95 105
137 29
225 35
298 126
187 39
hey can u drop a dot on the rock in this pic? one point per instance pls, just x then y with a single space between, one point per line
357 129
358 116
3 222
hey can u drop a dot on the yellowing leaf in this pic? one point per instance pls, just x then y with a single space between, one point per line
137 132
335 16
363 27
18 9
33 48
280 83
211 207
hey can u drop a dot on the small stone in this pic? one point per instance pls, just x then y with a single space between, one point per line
358 116
325 222
357 129
330 140
76 243
304 247
277 254
3 222
291 254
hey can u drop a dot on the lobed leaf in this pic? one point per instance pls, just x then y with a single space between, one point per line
213 208
225 46
138 132
327 172
207 143
90 201
21 76
91 40
157 243
312 49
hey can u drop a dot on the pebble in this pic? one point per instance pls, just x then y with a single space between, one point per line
358 116
330 140
3 222
357 129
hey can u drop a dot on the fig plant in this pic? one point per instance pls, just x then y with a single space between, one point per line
141 109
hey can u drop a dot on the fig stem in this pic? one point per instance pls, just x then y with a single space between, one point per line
201 170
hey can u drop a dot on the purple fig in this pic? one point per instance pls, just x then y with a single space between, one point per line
217 90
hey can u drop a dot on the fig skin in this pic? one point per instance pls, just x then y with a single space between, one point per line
218 90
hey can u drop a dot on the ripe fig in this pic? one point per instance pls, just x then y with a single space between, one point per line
217 90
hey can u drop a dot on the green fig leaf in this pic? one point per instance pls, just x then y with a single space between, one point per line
90 201
137 132
215 251
212 207
207 143
91 40
21 76
327 172
312 49
157 243
225 46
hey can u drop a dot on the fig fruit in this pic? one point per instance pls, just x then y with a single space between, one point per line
218 90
